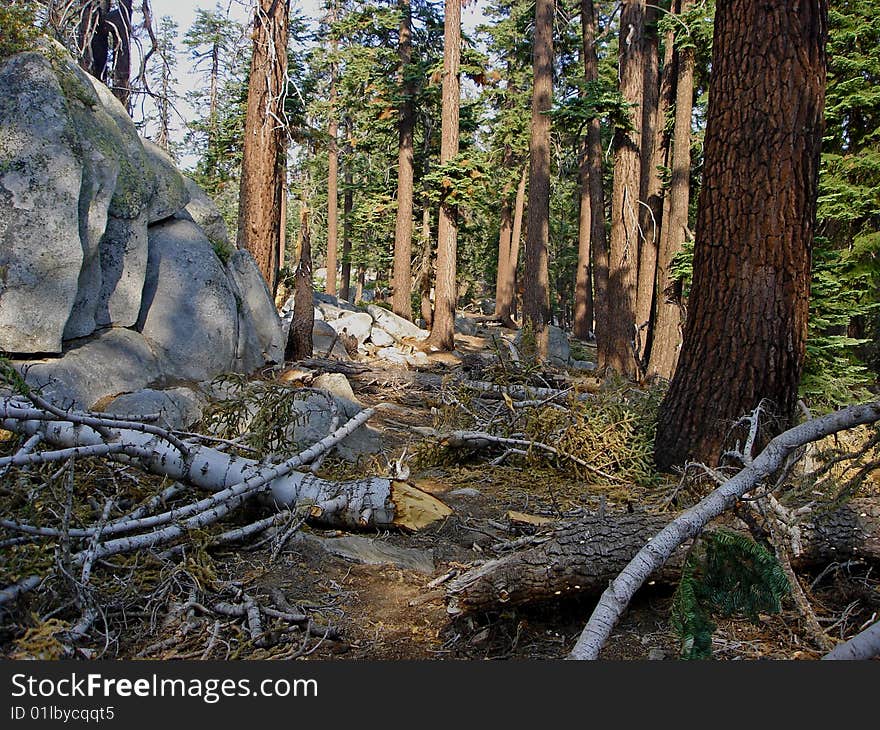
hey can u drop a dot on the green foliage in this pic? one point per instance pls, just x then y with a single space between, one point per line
726 574
11 378
17 29
456 182
843 328
599 98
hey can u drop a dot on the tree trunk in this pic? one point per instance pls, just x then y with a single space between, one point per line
265 140
519 206
616 349
503 284
536 291
401 296
667 329
583 557
583 288
655 148
332 177
445 292
347 207
425 307
747 311
299 340
598 239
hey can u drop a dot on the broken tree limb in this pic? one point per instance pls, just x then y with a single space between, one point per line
690 523
372 502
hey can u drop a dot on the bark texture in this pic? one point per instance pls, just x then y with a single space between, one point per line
747 312
401 299
265 140
445 289
615 347
536 279
668 323
584 557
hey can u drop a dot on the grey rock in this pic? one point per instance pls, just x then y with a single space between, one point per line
395 326
40 180
465 325
113 361
558 350
178 408
315 420
357 324
380 338
368 551
123 270
584 365
466 492
259 327
326 343
392 355
188 312
205 214
656 655
171 191
338 385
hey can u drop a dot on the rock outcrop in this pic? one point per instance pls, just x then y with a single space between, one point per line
110 279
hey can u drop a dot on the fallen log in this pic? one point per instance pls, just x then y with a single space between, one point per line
583 557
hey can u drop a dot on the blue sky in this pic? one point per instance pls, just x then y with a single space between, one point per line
183 12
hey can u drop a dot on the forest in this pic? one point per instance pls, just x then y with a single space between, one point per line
555 333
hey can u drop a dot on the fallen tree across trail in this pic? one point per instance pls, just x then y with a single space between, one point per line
690 523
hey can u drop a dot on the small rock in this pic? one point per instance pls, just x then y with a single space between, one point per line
380 338
337 384
656 655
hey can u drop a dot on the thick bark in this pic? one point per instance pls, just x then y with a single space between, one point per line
401 296
583 557
332 181
667 329
299 339
598 239
265 140
747 311
655 102
445 290
536 279
615 349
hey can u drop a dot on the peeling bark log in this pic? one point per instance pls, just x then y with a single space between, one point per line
583 557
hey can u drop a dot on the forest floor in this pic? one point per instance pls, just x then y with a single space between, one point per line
383 594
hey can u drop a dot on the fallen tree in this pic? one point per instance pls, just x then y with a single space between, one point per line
584 556
371 502
690 523
624 550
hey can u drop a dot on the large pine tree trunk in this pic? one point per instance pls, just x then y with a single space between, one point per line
616 346
653 154
265 140
505 234
747 311
445 290
667 329
583 284
536 279
401 299
598 238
